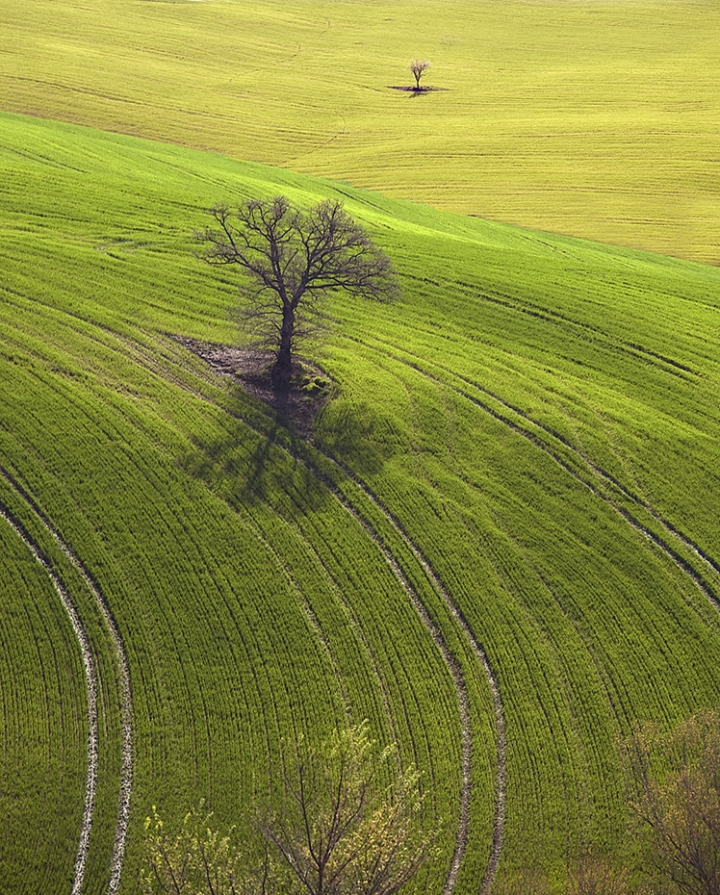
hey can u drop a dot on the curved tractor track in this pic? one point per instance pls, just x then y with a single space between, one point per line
92 686
456 672
451 662
576 464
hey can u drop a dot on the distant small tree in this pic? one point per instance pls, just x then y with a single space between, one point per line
292 259
418 67
675 786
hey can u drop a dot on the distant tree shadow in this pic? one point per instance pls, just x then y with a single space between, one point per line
416 91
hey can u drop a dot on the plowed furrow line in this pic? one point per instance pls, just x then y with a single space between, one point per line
451 661
447 655
592 468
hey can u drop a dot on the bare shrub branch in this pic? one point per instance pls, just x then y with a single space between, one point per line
345 821
675 783
341 828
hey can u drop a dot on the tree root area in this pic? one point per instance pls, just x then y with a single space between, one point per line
250 369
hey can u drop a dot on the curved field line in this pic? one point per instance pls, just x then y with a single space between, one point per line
703 586
437 637
448 658
92 694
453 666
307 610
458 682
126 713
352 621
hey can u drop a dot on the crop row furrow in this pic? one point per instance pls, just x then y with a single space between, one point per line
448 659
586 331
347 618
576 464
43 718
91 684
451 660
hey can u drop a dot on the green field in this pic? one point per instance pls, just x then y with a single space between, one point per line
499 541
534 422
595 118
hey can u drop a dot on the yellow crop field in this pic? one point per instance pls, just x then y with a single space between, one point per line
596 118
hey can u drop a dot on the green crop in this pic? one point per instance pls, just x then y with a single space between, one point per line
525 444
44 726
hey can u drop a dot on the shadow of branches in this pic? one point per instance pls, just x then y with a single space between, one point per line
356 436
258 456
258 461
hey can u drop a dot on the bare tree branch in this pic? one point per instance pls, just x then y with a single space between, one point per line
675 779
418 67
338 830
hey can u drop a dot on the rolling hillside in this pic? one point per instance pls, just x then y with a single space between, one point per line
499 543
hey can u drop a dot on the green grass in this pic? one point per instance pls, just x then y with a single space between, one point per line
245 619
595 118
527 399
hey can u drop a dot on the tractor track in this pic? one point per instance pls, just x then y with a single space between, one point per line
125 693
455 670
449 659
91 687
503 413
142 356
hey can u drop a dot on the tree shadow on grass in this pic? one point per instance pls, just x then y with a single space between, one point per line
259 456
265 461
355 435
256 462
416 91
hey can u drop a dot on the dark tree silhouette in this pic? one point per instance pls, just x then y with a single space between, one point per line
418 67
293 259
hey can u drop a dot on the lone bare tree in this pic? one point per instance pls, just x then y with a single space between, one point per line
418 67
675 779
292 259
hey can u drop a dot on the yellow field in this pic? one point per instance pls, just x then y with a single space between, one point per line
592 118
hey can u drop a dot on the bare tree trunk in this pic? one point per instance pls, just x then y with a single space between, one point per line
292 260
282 370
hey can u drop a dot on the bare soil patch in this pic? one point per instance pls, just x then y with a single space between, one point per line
250 369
